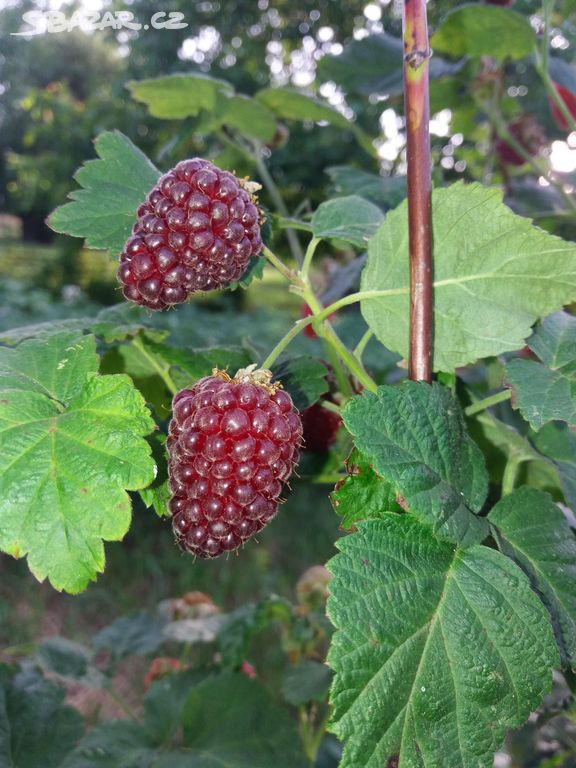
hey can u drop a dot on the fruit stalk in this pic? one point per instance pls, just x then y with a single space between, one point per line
416 65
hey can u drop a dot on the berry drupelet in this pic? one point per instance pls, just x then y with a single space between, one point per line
197 231
232 445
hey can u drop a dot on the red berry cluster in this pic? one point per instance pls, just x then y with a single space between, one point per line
232 444
197 231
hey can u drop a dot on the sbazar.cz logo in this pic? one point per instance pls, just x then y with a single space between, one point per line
41 22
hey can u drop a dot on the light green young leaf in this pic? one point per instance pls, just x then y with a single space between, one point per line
113 187
548 392
36 727
289 104
438 651
494 275
248 116
72 442
384 191
485 30
415 438
557 442
352 218
175 97
534 532
231 721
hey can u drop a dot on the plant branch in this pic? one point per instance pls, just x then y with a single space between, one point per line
488 402
416 65
289 274
310 251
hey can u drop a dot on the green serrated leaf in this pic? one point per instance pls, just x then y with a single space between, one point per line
36 727
304 378
548 392
113 187
73 444
290 104
534 532
230 720
116 744
558 443
248 116
352 219
384 191
138 634
485 30
164 702
415 438
494 275
307 681
157 497
362 494
110 324
254 271
175 97
373 65
438 651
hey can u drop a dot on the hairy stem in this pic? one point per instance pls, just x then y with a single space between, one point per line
291 276
416 64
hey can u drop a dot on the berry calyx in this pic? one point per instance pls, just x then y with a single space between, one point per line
233 443
320 428
197 231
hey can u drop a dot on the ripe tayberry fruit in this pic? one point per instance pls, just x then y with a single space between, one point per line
232 443
320 428
569 99
196 231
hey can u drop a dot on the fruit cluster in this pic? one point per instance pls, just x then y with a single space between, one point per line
197 231
232 444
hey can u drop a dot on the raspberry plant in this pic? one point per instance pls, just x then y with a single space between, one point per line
453 592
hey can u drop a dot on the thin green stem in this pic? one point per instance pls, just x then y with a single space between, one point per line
164 373
330 406
285 340
278 201
510 472
328 333
488 402
362 344
312 245
289 274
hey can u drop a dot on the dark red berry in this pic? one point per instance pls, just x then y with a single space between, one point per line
528 134
320 428
569 99
232 444
197 231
